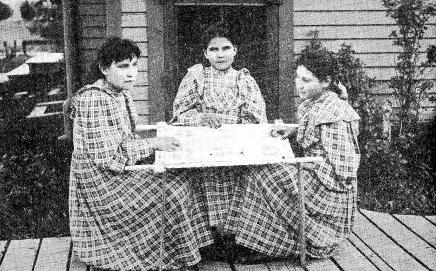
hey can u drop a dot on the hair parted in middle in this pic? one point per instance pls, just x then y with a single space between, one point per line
218 30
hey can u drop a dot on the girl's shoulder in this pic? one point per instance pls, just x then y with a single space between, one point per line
92 92
243 75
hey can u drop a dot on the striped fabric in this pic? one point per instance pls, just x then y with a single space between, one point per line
236 98
269 220
115 216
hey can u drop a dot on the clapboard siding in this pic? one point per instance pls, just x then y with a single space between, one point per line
92 29
140 93
353 31
87 20
88 2
93 9
385 73
365 26
134 6
327 5
137 34
361 24
367 46
134 20
355 17
134 27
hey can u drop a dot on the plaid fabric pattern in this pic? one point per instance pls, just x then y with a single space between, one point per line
269 220
236 98
232 95
115 216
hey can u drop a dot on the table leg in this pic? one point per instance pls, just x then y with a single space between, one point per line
302 212
162 229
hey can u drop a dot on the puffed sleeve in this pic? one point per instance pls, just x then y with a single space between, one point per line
340 143
98 123
253 110
187 104
340 152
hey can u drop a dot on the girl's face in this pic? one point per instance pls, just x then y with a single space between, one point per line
122 74
308 85
220 52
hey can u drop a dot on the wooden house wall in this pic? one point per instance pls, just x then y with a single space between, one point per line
362 24
92 31
94 26
365 26
134 27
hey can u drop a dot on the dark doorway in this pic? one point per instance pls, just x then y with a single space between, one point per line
248 24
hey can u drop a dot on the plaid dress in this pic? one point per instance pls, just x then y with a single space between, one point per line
269 213
115 216
235 97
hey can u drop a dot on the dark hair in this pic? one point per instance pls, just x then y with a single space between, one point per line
114 49
323 64
216 31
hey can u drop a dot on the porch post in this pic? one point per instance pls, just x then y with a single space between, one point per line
287 106
69 13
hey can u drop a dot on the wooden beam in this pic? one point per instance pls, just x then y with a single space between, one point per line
170 58
156 45
72 74
227 2
287 104
113 18
70 24
273 61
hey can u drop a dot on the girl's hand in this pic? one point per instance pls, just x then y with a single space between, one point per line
282 131
210 120
163 143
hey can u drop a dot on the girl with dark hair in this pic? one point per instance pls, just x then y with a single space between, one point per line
328 127
217 94
115 215
211 96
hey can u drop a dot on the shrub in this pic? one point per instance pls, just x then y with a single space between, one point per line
394 176
409 85
5 11
33 189
33 173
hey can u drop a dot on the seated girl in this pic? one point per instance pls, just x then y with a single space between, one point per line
115 215
328 127
211 96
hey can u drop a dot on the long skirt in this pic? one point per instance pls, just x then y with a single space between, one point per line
269 214
217 195
116 219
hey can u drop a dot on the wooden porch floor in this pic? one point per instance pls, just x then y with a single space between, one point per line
379 242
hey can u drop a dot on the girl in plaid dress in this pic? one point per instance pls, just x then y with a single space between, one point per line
115 216
212 96
328 127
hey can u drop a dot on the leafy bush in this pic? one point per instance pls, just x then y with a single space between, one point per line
34 172
27 11
5 11
47 20
409 84
34 190
398 176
